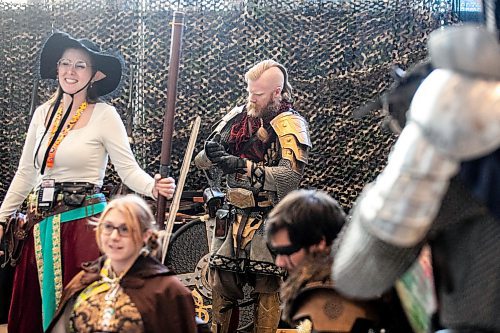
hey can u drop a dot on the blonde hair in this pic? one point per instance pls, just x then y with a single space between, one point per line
138 216
258 69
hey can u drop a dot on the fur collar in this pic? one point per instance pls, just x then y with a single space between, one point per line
313 272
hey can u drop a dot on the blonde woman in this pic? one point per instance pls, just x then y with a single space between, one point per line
125 290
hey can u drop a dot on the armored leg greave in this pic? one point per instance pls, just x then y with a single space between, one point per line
267 314
221 313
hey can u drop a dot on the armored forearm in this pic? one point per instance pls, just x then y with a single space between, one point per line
400 206
365 266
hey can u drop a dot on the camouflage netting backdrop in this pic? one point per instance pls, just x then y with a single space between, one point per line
338 54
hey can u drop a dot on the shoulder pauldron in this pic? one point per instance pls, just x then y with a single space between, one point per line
293 135
230 115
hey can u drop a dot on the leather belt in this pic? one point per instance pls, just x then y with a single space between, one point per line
72 186
60 207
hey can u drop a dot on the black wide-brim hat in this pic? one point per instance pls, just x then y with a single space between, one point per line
108 64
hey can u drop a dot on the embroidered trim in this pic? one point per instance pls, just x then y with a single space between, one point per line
262 267
257 176
56 256
225 263
107 305
38 253
243 265
51 245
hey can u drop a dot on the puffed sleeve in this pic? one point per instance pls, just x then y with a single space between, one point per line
26 175
116 143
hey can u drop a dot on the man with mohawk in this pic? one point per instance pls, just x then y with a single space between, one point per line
262 150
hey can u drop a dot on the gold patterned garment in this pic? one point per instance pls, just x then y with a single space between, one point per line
104 307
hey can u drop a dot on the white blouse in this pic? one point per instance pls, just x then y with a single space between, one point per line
81 157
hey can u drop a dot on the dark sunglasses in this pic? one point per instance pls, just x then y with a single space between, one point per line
284 250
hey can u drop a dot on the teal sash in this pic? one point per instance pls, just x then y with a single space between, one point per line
48 254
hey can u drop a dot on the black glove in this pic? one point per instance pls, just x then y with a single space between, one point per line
216 153
231 164
214 149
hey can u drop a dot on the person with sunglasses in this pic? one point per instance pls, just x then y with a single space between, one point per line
69 142
300 231
127 289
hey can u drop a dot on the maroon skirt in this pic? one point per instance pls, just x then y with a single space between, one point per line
78 245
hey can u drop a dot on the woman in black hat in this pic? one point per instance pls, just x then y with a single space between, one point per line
61 171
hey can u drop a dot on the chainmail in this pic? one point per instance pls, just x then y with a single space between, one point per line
285 179
464 240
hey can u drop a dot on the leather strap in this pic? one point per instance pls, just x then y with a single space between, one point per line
239 235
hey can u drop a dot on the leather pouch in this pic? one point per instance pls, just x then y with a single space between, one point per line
240 197
222 221
74 196
14 236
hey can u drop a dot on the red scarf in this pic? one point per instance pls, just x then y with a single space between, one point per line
245 128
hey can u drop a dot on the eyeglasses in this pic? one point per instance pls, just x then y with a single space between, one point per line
66 64
107 229
284 250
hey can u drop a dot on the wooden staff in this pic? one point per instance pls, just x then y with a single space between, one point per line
174 207
168 121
